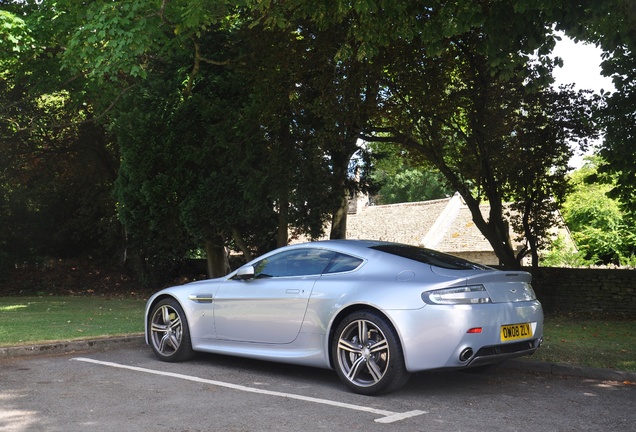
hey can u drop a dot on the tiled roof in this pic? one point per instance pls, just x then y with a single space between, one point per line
443 224
404 223
462 235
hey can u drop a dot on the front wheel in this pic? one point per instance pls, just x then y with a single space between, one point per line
169 332
367 354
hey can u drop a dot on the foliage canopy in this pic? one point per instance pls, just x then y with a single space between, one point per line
163 127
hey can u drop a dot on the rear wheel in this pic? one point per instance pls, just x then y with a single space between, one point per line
169 332
367 354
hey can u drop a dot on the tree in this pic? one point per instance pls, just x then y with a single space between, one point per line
194 164
281 67
48 141
486 76
254 138
337 98
402 177
214 88
69 65
304 127
493 137
314 105
610 26
595 220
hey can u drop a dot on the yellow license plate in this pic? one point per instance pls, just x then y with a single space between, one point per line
515 331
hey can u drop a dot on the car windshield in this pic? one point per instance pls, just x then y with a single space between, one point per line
428 256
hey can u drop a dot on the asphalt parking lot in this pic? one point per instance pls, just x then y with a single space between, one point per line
125 388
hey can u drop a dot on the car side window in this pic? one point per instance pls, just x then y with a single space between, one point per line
297 262
342 263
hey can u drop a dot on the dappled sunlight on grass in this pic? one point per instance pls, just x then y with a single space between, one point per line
627 365
12 307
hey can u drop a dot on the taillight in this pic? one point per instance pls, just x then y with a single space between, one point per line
474 294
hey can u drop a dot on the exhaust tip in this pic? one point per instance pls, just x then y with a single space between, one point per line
466 355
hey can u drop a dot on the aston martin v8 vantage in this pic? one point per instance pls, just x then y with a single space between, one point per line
374 311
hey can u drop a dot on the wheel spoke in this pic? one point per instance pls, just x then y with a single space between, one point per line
356 368
159 328
165 313
163 342
379 346
362 331
374 370
175 324
174 340
349 346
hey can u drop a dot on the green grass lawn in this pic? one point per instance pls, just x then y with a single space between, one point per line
603 342
25 320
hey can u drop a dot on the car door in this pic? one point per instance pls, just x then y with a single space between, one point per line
269 308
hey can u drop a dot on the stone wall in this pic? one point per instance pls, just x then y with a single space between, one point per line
606 291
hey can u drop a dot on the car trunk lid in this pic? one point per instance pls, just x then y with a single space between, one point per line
502 286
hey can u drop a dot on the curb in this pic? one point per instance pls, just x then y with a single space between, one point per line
105 343
72 346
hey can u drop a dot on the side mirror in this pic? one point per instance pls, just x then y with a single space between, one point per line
245 273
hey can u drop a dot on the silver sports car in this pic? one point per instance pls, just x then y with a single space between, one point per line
373 311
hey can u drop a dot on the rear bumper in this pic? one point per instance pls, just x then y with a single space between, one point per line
439 337
498 353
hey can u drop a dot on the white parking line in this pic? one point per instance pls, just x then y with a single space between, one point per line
389 416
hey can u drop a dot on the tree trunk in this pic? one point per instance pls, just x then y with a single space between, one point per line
283 222
340 162
287 149
216 257
240 243
339 219
496 230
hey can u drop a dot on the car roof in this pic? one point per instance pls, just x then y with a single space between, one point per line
397 251
348 243
344 244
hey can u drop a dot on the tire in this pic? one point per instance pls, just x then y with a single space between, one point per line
367 354
169 334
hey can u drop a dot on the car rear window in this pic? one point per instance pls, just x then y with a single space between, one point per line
429 256
342 263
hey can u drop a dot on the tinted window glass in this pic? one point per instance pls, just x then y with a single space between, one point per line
343 263
428 256
298 262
